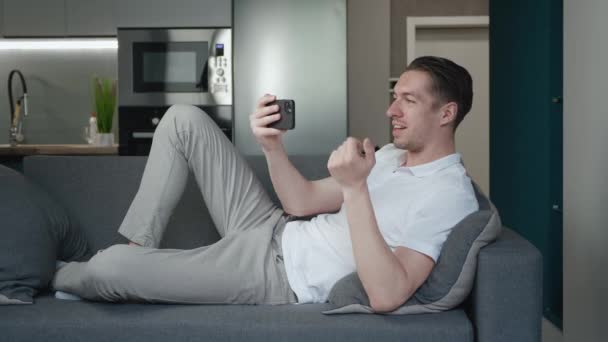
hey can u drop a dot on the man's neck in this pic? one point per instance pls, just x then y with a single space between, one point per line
429 154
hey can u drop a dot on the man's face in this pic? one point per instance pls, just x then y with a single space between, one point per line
414 113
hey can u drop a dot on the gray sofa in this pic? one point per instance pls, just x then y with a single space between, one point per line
505 304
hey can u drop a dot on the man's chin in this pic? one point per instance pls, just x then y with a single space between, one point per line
400 144
408 146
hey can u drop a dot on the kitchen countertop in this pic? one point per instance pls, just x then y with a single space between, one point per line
57 149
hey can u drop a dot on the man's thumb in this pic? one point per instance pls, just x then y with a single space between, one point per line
369 148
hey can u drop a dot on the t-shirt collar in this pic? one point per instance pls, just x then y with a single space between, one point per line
428 169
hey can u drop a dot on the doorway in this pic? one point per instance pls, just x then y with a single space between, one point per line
463 40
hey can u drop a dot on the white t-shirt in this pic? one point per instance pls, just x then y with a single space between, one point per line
414 207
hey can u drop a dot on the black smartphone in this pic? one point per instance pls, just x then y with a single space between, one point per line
287 109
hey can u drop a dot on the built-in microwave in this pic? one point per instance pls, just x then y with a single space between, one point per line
161 67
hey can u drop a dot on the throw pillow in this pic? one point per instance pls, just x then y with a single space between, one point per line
451 280
35 233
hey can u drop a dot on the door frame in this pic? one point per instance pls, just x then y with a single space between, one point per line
413 23
478 155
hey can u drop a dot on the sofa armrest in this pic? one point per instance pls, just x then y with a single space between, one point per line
506 301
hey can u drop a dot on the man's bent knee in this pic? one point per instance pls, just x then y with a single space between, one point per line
182 116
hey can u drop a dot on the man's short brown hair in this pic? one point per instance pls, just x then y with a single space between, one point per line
450 82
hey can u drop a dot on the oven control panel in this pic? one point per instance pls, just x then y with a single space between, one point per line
220 70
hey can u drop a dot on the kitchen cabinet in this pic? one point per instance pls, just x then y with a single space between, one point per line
80 18
317 81
33 18
58 18
1 15
91 17
175 13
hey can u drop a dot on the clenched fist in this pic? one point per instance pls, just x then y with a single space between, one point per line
352 162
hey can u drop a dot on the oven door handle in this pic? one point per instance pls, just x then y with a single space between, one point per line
142 135
203 83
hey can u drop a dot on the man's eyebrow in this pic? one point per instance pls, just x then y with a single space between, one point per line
407 93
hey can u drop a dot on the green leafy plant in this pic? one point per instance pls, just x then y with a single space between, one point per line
104 93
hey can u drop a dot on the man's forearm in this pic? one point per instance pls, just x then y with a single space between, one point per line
382 276
289 184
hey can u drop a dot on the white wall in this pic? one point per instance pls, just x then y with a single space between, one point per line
468 47
585 170
368 36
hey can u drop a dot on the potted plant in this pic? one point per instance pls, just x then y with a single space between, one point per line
104 93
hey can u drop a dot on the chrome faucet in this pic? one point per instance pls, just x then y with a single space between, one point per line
16 123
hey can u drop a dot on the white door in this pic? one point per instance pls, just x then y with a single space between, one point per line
467 46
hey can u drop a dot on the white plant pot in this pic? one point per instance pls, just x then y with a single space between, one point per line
104 139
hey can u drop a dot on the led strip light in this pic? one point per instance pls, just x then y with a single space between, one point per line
58 44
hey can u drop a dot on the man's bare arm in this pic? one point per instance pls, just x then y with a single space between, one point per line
389 279
298 195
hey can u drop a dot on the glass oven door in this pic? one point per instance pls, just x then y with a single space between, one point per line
175 67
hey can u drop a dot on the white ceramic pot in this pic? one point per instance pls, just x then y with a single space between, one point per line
104 139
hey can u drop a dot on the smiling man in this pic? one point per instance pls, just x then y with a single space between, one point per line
384 214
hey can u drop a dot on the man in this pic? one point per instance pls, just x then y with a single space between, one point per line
383 214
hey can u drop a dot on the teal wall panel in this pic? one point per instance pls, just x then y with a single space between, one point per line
526 129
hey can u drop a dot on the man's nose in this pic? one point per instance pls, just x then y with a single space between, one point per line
393 110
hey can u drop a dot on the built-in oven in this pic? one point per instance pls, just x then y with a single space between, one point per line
158 68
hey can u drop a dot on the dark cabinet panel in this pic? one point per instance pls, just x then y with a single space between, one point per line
91 17
33 18
176 13
80 18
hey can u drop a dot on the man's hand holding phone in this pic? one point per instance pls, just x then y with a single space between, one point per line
266 123
287 109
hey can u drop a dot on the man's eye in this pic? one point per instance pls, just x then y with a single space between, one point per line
410 101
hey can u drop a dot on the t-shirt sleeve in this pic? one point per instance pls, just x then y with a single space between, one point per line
426 229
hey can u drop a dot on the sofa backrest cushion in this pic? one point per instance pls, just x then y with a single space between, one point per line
450 281
97 191
35 232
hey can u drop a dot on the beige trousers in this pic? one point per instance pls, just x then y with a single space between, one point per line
244 267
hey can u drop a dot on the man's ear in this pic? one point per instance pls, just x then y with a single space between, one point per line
448 113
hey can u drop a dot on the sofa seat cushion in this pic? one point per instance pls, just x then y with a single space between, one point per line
51 319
